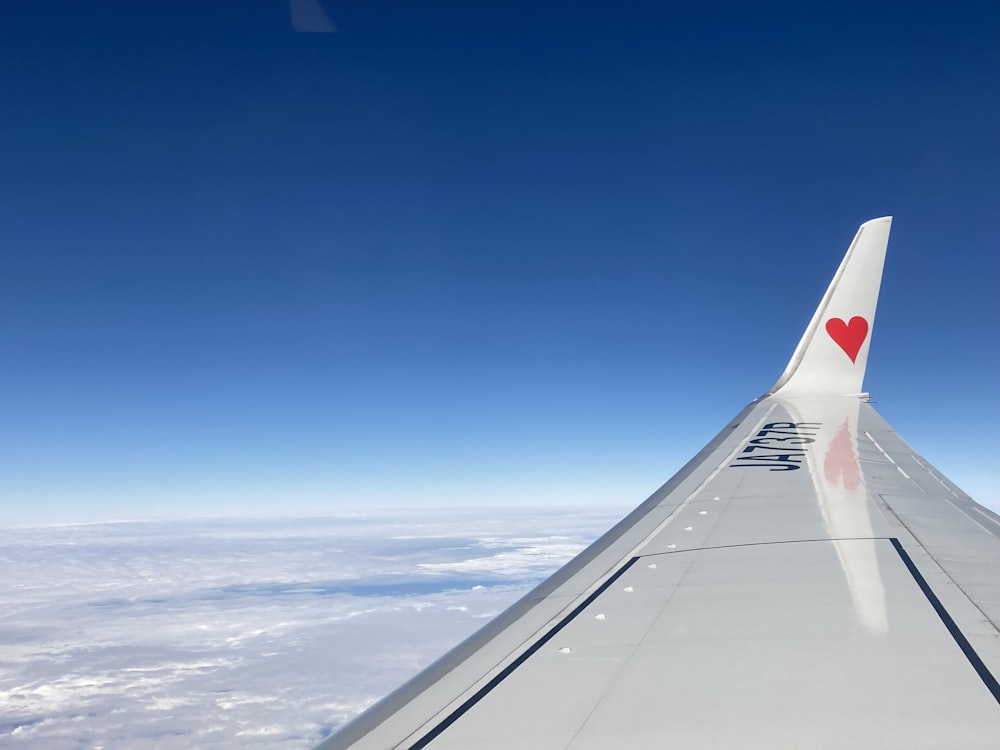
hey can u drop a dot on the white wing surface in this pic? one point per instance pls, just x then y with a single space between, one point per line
806 581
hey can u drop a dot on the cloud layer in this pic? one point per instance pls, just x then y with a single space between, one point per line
233 634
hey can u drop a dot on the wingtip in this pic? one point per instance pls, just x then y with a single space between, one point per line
879 220
833 362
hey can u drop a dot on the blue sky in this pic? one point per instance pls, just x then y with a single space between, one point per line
471 253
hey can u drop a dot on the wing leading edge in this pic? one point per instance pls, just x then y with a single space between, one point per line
807 579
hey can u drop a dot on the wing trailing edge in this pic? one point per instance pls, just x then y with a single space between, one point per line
831 357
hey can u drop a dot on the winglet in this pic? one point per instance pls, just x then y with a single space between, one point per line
830 359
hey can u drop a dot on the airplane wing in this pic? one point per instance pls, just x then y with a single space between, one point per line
806 580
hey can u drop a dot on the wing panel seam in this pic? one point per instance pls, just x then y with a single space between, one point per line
509 669
956 632
951 626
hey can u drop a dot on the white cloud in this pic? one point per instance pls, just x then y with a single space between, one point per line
242 634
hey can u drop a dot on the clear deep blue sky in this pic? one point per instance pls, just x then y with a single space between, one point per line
472 252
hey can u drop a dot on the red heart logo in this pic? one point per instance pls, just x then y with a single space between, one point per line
848 336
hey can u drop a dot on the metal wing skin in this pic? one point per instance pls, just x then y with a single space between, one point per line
806 581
